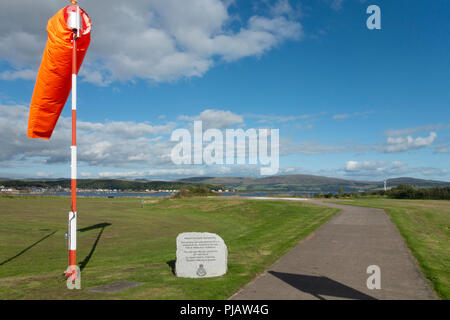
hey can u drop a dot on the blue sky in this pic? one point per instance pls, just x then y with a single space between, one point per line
348 101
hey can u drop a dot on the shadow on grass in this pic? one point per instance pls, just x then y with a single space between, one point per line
171 264
95 226
103 225
27 248
318 286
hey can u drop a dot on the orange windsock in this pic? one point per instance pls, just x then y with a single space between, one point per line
53 83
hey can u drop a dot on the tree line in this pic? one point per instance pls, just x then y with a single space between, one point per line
399 192
410 192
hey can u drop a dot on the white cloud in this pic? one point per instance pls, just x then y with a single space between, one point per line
289 147
128 129
266 118
18 47
363 165
415 130
213 118
44 174
397 164
393 144
24 74
159 40
85 174
112 143
343 116
281 7
401 144
442 148
153 172
383 169
133 147
130 147
187 171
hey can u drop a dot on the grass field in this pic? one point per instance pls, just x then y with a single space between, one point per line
425 226
120 241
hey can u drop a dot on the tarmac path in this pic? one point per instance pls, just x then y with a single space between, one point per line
332 262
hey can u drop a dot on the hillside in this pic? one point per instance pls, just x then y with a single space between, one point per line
308 183
118 184
297 182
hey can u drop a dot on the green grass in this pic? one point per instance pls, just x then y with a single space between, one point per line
425 226
139 243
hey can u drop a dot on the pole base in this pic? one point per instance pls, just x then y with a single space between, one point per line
72 262
72 257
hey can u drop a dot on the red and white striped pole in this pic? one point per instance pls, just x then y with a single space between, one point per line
75 24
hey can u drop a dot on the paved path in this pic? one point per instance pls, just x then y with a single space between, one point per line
332 262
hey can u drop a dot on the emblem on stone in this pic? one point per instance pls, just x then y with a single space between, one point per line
201 272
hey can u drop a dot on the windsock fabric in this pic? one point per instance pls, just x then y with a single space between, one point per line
53 83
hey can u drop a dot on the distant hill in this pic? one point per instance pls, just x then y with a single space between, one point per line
118 184
308 183
295 182
417 182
